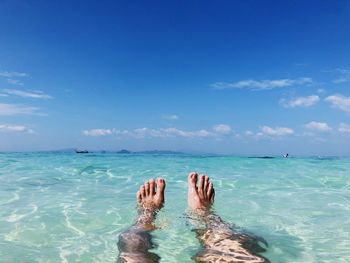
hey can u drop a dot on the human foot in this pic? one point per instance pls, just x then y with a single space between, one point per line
200 197
151 195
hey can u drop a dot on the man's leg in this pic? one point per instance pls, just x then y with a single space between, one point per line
219 242
135 243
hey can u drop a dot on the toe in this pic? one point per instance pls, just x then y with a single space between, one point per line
201 186
210 190
160 190
212 197
151 186
160 185
138 197
192 179
206 185
143 191
147 188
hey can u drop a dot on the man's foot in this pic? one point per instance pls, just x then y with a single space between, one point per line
151 195
200 197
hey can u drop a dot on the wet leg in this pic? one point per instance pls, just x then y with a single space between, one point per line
219 242
135 243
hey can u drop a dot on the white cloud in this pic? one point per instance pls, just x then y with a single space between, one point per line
249 133
339 101
277 131
318 126
344 128
14 109
172 117
344 76
202 133
15 82
27 94
174 132
15 128
12 77
223 129
262 84
144 133
301 101
98 132
13 74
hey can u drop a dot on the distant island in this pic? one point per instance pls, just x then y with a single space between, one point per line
122 151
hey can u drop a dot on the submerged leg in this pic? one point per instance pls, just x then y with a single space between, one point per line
135 243
219 242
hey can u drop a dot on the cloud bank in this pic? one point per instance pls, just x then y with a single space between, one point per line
14 128
267 84
139 133
13 74
318 126
223 129
300 101
27 94
339 101
277 131
12 77
14 109
344 128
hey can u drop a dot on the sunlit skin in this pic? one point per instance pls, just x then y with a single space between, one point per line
219 243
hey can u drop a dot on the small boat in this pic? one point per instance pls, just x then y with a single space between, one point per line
84 151
263 157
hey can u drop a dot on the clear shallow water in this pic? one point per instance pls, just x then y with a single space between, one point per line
69 207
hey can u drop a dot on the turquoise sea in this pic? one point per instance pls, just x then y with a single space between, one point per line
65 207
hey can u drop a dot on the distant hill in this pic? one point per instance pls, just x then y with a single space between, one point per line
122 151
159 152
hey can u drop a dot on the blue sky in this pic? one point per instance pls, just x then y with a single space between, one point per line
239 77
